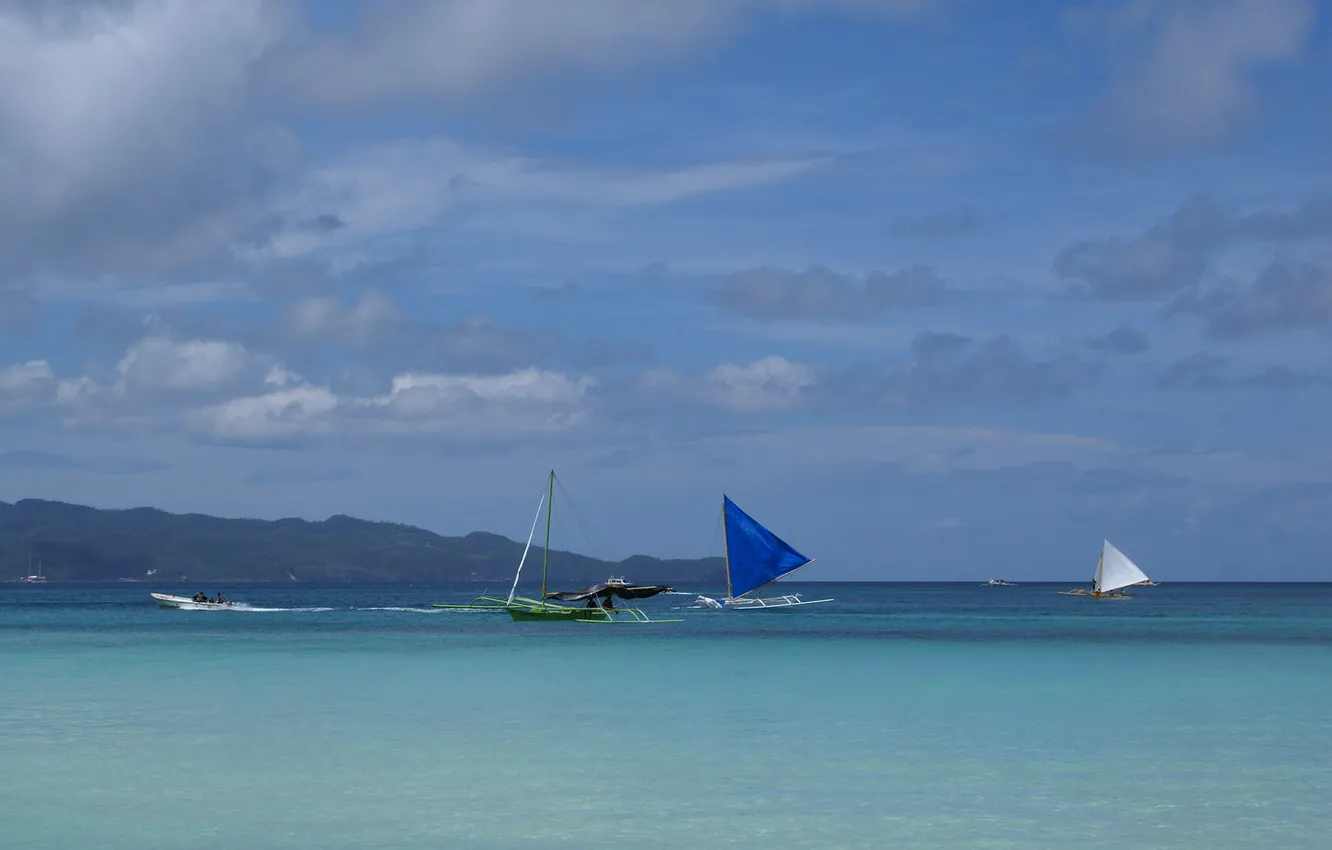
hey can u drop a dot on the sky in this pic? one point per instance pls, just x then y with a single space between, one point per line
935 289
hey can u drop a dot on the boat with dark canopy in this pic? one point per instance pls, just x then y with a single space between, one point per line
598 607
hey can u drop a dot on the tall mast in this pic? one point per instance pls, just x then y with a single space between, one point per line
726 547
545 553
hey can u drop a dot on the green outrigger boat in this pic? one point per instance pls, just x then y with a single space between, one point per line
598 607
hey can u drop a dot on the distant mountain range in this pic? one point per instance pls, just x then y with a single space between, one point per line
79 543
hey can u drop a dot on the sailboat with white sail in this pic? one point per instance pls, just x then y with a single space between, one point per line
755 558
1114 573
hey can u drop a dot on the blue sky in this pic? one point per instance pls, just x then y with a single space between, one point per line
934 288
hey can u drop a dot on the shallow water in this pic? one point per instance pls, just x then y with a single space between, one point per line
931 716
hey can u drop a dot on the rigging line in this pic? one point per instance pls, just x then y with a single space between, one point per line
578 518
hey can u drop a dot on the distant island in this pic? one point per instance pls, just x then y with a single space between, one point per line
79 543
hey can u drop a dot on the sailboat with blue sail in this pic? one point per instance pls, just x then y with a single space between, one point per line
755 558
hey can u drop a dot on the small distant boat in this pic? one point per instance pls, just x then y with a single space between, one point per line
755 558
1114 573
999 582
166 600
37 577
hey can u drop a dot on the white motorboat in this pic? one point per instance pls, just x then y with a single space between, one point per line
166 600
999 582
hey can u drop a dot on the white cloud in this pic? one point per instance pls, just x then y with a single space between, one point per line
463 407
303 411
159 363
768 384
25 377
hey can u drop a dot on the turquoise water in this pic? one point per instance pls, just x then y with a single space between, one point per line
929 716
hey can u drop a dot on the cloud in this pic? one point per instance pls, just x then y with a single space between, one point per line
959 221
470 408
130 146
158 363
326 318
451 51
946 370
1175 254
25 377
1122 341
769 384
1164 259
820 293
1288 295
1182 70
949 370
1206 372
407 184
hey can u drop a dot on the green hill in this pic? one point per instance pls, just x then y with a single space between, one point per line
78 543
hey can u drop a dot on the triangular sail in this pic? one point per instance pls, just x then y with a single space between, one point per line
754 555
1116 570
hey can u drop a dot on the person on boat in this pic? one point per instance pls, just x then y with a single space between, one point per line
609 604
220 600
592 602
200 597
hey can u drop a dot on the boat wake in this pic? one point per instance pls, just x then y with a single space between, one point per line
241 606
404 610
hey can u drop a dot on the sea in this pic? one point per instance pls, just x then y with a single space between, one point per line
896 716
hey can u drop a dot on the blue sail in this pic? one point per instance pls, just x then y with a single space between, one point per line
754 555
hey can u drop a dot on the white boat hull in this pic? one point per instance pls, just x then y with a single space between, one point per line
745 603
166 600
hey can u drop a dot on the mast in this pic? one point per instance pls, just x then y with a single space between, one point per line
545 553
726 548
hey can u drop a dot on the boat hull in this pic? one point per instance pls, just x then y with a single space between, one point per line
166 600
1093 594
761 603
564 615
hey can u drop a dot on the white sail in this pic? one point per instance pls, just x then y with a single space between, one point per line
513 590
1116 570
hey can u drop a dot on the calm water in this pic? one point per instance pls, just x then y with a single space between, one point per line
929 716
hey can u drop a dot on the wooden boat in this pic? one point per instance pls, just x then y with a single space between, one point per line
1114 573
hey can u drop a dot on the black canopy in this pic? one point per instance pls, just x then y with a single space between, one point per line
603 590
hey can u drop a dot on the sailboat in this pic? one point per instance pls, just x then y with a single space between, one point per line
598 607
37 577
755 558
1114 572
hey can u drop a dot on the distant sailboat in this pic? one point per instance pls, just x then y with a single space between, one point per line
37 577
1114 572
755 558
